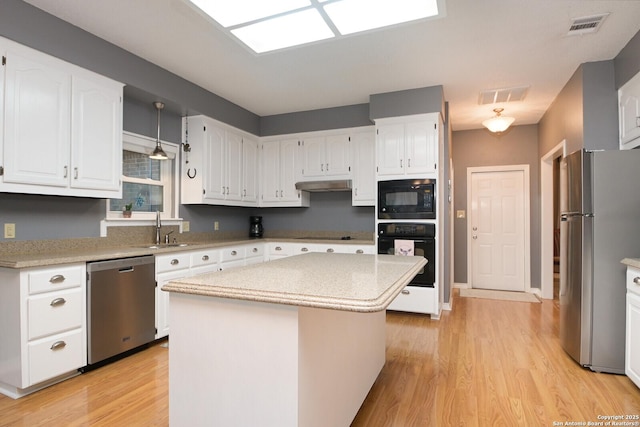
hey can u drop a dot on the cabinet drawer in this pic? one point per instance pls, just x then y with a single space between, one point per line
54 312
51 279
280 250
205 257
254 251
415 300
178 261
632 275
56 355
232 254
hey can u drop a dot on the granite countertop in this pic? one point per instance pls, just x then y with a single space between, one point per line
350 282
66 255
631 262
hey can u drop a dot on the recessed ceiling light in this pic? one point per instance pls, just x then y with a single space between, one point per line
284 31
233 12
353 16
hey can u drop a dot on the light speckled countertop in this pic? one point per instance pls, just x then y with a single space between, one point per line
54 253
631 262
350 282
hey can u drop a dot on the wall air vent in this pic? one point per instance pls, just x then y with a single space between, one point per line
493 96
587 24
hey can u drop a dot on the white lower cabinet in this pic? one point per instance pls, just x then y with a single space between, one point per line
632 352
416 300
42 326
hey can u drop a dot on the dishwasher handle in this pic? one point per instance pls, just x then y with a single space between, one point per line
128 269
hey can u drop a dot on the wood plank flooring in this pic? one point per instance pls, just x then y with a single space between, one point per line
486 363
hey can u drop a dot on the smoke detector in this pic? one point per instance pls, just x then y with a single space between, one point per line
587 24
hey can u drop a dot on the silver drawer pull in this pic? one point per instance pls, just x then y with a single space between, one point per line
304 250
330 250
255 250
636 280
234 253
58 345
278 248
359 251
205 257
175 262
58 301
58 278
405 292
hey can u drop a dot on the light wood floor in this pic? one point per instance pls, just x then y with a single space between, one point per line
486 363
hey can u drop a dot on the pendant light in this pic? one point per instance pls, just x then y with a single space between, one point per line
158 152
498 123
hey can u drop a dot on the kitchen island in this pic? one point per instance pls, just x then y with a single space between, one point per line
293 342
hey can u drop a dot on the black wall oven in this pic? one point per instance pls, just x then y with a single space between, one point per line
407 199
416 239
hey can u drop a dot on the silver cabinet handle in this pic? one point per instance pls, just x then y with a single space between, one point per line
278 248
304 249
636 280
75 173
58 345
276 193
205 257
408 163
58 278
234 253
58 301
327 167
254 250
321 167
281 192
330 250
400 162
359 251
405 292
66 171
175 262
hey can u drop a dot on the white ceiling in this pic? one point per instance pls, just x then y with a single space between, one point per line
480 44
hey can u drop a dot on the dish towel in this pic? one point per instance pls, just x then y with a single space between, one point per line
404 247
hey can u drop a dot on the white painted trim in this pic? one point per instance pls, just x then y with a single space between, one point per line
461 285
527 218
546 218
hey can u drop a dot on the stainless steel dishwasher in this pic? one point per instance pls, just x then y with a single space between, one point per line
120 306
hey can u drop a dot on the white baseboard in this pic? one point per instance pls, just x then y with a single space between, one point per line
461 285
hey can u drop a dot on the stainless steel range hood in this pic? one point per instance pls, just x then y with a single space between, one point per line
323 186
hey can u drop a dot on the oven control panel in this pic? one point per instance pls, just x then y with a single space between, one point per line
405 229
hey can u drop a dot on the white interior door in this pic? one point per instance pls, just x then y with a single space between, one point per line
498 224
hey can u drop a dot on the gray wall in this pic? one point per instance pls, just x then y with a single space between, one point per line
407 102
627 62
308 121
475 148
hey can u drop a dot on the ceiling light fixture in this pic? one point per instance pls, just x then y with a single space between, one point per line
271 25
498 123
158 152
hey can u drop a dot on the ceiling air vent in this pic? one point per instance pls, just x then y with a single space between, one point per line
493 96
587 24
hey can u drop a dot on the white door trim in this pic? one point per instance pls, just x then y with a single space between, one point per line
546 217
527 218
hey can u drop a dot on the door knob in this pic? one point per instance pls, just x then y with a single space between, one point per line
475 228
475 237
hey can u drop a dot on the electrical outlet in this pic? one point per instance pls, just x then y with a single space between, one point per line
9 231
216 225
185 226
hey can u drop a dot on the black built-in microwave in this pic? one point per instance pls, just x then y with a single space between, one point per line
407 199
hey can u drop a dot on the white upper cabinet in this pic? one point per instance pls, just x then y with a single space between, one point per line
62 130
407 146
220 169
363 191
279 160
325 156
629 113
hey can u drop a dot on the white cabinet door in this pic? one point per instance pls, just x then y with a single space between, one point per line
162 300
270 172
250 171
390 149
632 357
37 121
96 139
215 155
629 106
288 176
421 147
233 167
338 156
363 192
313 157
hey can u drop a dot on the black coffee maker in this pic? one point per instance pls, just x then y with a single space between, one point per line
255 228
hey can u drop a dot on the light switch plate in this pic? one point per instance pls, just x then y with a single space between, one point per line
9 231
185 226
461 214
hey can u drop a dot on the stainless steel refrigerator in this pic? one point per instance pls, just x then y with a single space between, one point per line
600 225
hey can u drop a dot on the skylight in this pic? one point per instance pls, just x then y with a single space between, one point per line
277 24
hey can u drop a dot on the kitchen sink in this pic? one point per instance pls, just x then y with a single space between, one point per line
165 245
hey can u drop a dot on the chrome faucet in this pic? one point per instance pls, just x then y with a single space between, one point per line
158 225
